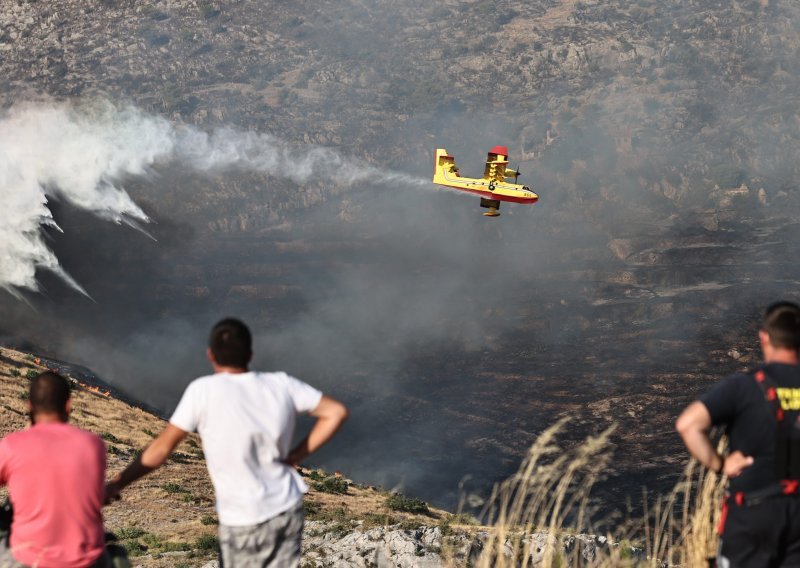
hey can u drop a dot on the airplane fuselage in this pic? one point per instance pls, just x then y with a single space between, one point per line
492 187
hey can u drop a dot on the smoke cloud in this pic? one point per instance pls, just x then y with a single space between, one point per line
59 151
83 153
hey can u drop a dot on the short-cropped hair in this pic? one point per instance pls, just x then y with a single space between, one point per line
231 343
49 393
782 324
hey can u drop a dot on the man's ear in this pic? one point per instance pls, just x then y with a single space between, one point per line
210 356
68 406
763 336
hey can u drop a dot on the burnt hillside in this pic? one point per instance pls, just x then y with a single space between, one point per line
661 137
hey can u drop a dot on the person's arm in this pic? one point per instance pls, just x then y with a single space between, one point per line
330 415
693 426
153 456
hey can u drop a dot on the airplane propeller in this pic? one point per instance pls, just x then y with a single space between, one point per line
516 175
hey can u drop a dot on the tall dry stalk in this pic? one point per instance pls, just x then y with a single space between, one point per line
550 489
701 513
548 498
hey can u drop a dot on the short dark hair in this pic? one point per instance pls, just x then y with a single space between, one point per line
49 393
231 343
782 324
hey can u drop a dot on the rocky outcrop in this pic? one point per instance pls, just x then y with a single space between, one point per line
427 547
380 546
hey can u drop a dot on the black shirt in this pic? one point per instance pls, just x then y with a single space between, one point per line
738 403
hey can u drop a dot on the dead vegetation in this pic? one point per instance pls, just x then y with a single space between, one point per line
542 516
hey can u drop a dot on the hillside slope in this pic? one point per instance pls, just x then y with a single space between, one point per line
167 519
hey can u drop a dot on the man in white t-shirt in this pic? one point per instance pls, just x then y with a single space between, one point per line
246 421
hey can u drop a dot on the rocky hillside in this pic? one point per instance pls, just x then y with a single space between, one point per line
661 136
168 519
388 82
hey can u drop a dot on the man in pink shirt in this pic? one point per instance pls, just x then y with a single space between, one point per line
55 475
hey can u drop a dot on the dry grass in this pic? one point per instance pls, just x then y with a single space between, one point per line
547 502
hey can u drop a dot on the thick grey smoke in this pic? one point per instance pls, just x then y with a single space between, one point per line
83 153
58 151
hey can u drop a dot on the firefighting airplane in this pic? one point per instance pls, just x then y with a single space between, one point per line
492 187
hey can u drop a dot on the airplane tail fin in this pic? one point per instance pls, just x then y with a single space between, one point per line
443 164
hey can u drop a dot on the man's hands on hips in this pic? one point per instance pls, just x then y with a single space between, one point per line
693 425
330 415
735 463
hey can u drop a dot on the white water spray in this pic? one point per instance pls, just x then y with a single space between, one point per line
81 152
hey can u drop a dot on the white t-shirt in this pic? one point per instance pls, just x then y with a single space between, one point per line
246 422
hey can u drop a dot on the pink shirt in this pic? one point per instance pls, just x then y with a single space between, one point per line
55 476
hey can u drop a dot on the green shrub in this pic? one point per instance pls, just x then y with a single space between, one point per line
338 530
399 502
14 372
378 520
310 508
175 546
126 533
206 542
174 488
332 484
24 395
32 373
151 540
134 547
316 475
208 520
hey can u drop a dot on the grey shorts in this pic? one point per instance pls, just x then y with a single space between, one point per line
273 543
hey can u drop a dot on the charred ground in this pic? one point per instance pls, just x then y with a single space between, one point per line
661 137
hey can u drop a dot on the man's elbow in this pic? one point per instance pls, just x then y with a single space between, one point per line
691 421
686 426
342 413
681 425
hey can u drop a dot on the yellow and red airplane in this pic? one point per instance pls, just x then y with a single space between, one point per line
492 187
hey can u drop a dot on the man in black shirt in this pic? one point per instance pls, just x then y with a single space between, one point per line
762 517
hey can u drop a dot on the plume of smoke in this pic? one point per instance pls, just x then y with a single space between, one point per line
228 148
76 154
80 153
